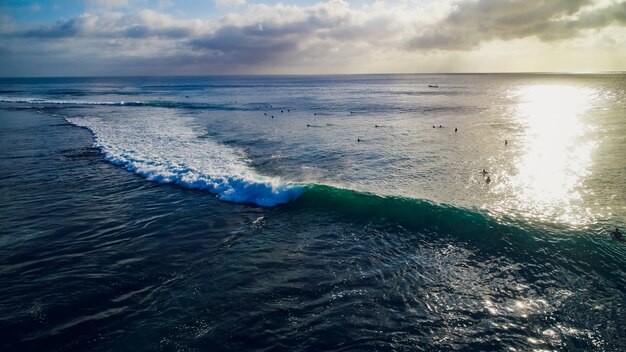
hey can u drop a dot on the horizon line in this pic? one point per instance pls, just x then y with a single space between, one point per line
333 74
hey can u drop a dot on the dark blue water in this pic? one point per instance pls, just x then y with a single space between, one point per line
197 222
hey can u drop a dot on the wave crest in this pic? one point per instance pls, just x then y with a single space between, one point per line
149 103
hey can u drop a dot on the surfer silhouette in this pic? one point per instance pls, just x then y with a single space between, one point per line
618 235
488 179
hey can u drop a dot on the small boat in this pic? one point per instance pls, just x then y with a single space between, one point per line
433 86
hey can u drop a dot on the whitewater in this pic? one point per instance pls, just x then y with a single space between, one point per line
170 151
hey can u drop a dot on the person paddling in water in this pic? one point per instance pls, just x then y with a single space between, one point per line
618 235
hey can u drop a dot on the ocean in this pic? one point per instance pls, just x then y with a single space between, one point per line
313 213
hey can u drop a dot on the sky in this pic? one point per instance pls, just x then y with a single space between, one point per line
209 37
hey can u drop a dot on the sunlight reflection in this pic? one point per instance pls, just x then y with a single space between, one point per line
556 157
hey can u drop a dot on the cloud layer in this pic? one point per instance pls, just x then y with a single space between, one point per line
472 23
326 36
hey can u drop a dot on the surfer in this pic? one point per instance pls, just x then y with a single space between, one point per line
506 142
358 140
485 172
455 129
618 235
488 179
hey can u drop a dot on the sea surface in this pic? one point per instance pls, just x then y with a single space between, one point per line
313 213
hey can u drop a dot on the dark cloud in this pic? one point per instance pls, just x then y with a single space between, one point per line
143 31
473 23
60 29
231 45
92 26
270 39
249 44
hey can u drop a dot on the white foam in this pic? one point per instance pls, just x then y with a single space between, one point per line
19 100
166 148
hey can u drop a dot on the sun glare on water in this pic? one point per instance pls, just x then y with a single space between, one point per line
556 155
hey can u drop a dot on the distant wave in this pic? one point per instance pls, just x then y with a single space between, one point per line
362 110
151 103
65 102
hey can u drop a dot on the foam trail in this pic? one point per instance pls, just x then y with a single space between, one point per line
65 102
167 149
148 103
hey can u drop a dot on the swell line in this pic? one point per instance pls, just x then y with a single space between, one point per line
149 103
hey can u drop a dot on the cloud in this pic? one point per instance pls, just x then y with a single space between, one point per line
474 22
283 33
331 35
273 31
60 29
145 24
260 34
226 3
6 25
107 3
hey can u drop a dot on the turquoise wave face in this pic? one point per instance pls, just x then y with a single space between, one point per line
406 212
